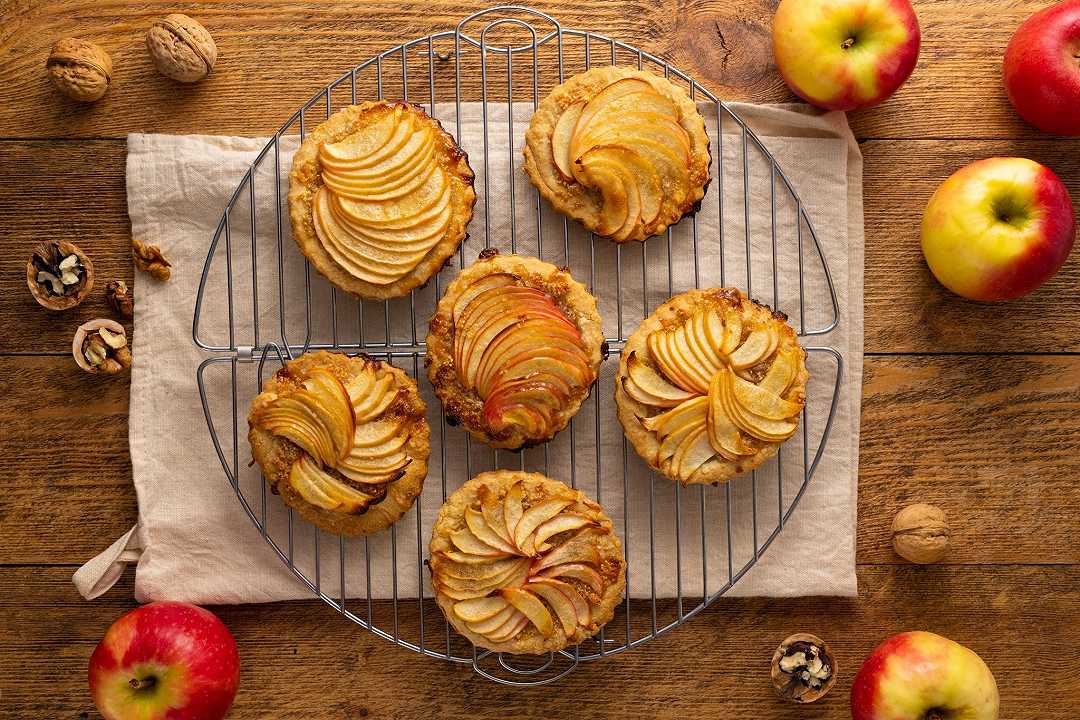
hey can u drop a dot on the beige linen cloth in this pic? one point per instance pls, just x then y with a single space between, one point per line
194 542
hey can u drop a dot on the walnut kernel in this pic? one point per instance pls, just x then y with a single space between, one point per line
101 347
803 668
120 298
920 534
149 259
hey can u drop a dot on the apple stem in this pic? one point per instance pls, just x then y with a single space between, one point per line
142 684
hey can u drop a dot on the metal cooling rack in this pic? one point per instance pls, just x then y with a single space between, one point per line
252 314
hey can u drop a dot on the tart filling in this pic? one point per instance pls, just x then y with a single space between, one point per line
713 388
622 150
354 427
523 563
514 348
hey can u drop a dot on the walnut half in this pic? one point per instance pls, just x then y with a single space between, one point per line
59 275
100 346
803 668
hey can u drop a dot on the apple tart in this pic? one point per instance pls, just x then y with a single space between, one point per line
344 440
710 385
524 564
621 150
380 196
513 349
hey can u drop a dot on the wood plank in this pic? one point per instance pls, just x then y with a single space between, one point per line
304 661
993 440
906 309
274 54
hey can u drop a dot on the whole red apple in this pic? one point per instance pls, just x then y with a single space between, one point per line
998 229
165 661
845 54
923 676
1042 69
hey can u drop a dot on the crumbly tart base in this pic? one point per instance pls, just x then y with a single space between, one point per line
537 487
305 180
463 405
276 455
582 203
672 314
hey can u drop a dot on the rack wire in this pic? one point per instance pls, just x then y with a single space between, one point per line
485 76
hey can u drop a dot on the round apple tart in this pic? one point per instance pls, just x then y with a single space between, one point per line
522 563
710 385
513 349
344 440
380 196
621 150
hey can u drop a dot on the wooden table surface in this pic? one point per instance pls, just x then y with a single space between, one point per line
969 406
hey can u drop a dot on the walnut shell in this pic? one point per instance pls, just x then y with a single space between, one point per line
118 359
182 49
920 534
79 292
79 69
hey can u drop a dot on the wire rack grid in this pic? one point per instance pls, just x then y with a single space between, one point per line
251 281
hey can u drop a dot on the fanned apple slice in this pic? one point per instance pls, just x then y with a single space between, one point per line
484 532
361 145
465 558
695 451
297 422
616 197
319 488
758 346
480 286
370 453
391 190
496 621
486 570
573 374
374 466
638 171
672 435
693 362
532 335
464 589
531 607
691 409
724 436
390 165
424 198
480 608
372 178
715 333
510 629
533 518
639 395
466 542
512 510
612 92
330 400
753 425
309 489
562 522
576 571
781 373
381 396
355 239
582 611
350 152
557 601
651 383
492 509
697 337
375 434
561 136
762 402
733 329
577 549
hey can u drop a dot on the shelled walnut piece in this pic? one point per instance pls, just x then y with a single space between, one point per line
181 48
149 259
79 69
120 298
920 534
803 668
59 275
101 347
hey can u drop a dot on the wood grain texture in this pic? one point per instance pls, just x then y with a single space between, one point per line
991 439
275 53
299 660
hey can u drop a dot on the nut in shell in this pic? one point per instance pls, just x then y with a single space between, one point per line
920 534
59 275
100 347
79 69
803 668
181 48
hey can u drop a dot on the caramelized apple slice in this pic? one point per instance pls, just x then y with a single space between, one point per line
693 361
560 140
512 510
762 402
561 523
479 608
319 488
663 353
411 180
620 204
299 424
612 92
484 532
530 337
355 151
671 420
374 434
534 517
733 328
480 286
390 166
492 509
724 436
510 629
391 212
466 542
758 346
360 145
672 435
378 451
637 170
531 607
485 570
495 621
694 452
781 373
753 425
579 572
557 601
651 383
578 549
582 611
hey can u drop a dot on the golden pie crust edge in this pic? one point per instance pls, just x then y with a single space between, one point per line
578 304
671 314
305 180
276 455
528 642
569 198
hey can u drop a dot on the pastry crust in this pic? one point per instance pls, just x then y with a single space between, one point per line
536 489
463 405
584 204
276 455
672 314
305 180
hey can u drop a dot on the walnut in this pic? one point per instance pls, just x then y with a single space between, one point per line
120 298
79 69
181 48
101 347
59 275
920 534
803 668
149 259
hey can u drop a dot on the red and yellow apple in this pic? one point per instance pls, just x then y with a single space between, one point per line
165 660
1042 69
998 229
845 54
923 676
